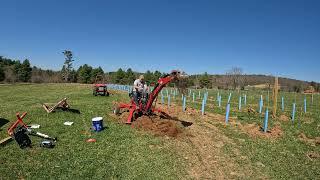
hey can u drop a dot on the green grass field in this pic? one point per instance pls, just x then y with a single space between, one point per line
285 158
122 152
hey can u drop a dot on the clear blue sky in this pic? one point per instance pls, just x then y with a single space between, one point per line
278 37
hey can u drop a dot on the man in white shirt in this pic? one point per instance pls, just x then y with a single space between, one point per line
138 87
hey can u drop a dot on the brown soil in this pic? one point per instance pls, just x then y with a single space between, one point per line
157 126
284 118
310 141
256 131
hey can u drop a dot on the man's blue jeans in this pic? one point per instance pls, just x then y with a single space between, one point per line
136 96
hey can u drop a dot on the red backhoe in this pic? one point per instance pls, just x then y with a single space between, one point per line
146 103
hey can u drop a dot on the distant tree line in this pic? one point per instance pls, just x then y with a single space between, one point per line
13 71
128 76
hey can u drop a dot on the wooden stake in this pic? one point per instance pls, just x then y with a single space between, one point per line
63 104
275 96
5 140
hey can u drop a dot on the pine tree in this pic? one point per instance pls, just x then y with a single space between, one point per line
84 74
119 77
204 80
97 74
130 77
67 67
148 77
25 71
156 75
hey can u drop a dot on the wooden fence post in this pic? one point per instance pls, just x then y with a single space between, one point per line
275 96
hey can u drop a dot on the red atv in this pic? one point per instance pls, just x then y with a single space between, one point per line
100 88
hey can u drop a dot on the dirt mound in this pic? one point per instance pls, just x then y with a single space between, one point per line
307 120
192 111
157 126
310 141
256 131
284 118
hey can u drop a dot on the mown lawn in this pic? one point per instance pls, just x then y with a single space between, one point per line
120 152
282 158
124 153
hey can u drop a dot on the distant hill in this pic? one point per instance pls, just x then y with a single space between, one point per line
285 83
254 80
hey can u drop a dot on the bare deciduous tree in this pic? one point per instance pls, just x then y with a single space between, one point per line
213 82
10 75
235 77
197 82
